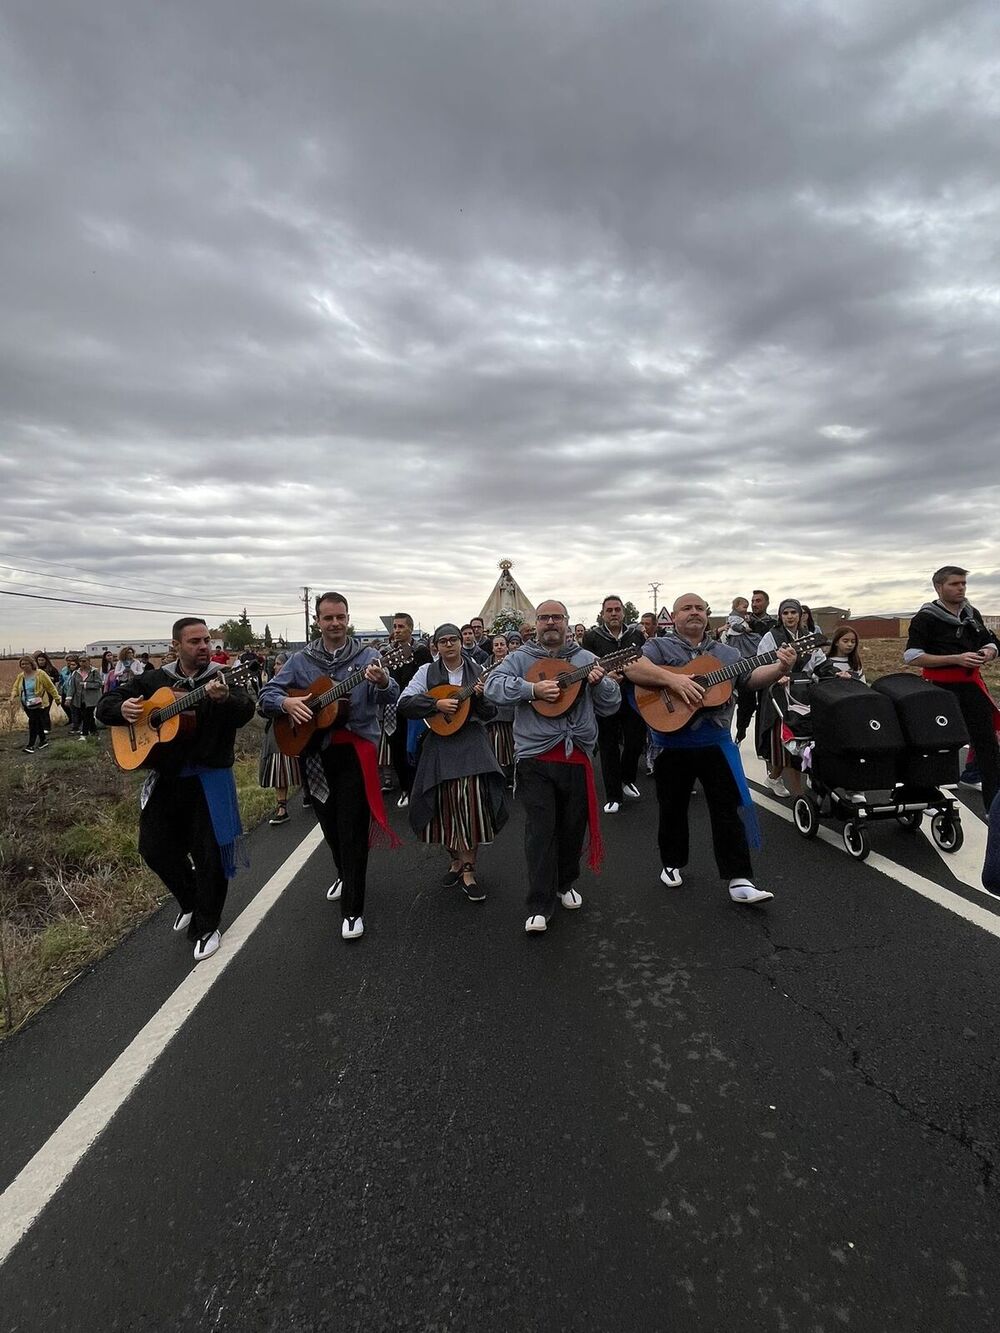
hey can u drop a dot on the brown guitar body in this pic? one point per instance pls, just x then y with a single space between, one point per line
440 723
663 711
551 668
291 737
134 742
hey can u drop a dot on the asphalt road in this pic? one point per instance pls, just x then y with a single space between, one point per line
668 1112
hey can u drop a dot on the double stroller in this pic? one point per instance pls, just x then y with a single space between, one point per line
867 753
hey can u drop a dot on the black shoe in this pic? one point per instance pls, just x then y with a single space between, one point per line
307 801
29 749
42 745
740 737
473 891
281 815
451 877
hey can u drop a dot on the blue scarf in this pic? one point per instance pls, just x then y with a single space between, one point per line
701 739
219 787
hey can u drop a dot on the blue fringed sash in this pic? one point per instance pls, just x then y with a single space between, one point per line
219 787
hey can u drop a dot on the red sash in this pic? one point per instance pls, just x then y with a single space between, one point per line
380 832
558 755
954 675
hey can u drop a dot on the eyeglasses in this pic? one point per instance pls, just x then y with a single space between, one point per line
447 643
552 619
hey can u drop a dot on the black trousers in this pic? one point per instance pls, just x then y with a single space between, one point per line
554 797
675 772
979 719
405 772
620 741
746 705
345 819
177 842
88 726
38 725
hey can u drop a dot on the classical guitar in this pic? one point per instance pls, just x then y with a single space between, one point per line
663 711
443 724
570 679
327 702
165 716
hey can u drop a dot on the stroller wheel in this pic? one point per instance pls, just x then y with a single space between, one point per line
806 817
910 820
856 840
947 832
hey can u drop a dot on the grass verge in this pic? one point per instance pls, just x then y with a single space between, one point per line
72 883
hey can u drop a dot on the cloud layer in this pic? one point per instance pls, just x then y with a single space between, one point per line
375 293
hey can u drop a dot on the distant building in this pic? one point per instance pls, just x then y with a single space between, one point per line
155 647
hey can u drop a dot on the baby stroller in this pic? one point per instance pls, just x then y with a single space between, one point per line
870 753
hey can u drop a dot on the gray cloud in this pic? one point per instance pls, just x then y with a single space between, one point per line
375 293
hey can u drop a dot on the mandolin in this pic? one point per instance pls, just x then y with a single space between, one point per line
328 703
663 711
443 724
570 679
164 717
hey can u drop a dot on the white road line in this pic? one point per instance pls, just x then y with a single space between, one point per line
25 1197
954 902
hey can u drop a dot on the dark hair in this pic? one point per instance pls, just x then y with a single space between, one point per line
947 572
403 615
474 619
809 622
759 592
611 597
181 625
332 597
854 656
465 627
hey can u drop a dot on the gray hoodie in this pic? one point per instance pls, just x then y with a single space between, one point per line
535 734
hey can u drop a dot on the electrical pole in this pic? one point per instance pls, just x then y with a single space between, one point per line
305 603
654 588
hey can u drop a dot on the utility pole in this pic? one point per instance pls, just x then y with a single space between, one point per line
654 588
305 603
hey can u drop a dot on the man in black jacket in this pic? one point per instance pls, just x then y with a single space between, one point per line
621 736
759 622
189 826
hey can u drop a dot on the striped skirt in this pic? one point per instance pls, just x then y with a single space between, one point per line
277 769
462 818
502 736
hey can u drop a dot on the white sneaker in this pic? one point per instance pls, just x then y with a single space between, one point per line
403 802
353 928
671 876
630 790
333 892
182 920
742 891
206 946
777 786
571 898
535 924
612 808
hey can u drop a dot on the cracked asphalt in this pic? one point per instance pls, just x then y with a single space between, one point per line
668 1112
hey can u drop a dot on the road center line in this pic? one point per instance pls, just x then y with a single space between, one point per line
27 1195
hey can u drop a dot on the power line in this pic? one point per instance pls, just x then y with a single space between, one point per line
128 587
117 606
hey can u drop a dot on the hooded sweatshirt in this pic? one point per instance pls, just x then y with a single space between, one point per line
535 734
304 667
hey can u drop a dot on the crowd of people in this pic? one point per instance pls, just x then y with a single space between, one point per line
462 721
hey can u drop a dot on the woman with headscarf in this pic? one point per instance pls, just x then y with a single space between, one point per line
789 628
458 798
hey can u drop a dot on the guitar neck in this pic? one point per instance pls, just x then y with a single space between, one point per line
747 664
351 682
192 699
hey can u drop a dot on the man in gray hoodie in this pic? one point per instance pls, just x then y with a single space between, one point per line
555 779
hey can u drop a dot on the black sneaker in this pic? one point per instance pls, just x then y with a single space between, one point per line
29 749
42 745
474 892
280 816
450 878
307 801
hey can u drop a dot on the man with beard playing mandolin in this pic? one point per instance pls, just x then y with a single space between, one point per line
703 749
342 764
555 779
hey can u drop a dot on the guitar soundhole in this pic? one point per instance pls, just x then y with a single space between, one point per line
562 680
701 680
155 719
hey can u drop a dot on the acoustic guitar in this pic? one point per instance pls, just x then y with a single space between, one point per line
570 679
165 716
663 711
327 702
443 724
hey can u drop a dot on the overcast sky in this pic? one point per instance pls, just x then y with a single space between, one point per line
373 294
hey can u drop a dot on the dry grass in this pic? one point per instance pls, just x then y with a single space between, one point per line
883 656
72 883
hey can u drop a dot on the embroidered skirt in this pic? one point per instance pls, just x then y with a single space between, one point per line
502 736
462 817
